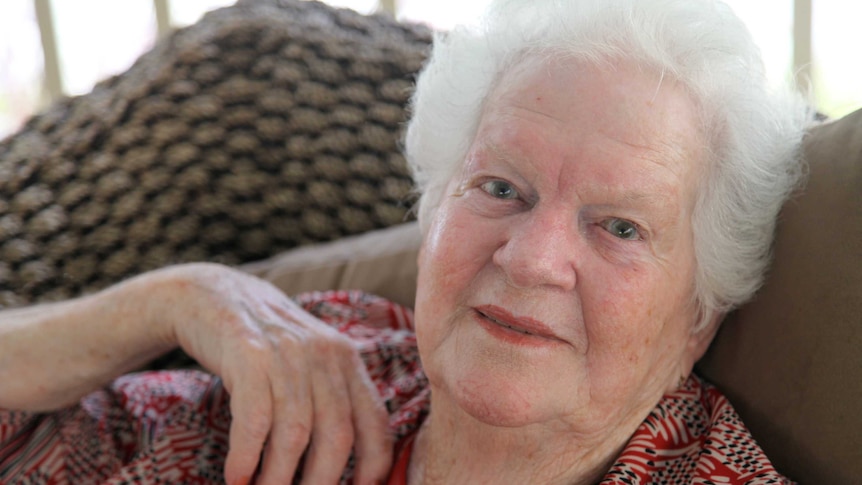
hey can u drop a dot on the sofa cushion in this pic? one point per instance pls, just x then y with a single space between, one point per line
790 360
382 262
267 125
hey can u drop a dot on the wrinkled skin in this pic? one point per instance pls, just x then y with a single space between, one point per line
571 221
294 381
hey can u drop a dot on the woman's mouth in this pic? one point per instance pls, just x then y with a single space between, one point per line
517 330
504 324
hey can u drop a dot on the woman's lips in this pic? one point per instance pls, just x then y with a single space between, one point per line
519 330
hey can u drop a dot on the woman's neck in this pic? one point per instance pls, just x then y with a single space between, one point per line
455 448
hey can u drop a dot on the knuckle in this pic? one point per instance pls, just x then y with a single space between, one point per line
297 436
345 349
380 413
342 437
282 342
325 346
257 424
374 420
250 366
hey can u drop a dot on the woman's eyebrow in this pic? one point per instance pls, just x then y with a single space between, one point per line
655 195
511 158
502 153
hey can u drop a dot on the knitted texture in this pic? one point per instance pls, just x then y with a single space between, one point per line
266 125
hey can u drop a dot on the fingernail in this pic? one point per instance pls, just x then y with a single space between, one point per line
242 480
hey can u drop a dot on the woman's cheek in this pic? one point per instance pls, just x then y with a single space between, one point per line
444 251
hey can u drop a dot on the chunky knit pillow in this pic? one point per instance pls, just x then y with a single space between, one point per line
267 125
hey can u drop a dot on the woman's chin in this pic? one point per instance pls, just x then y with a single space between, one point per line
498 414
503 404
498 383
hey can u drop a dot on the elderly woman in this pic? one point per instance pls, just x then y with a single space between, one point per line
600 181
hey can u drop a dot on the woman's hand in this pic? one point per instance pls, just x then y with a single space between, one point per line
296 385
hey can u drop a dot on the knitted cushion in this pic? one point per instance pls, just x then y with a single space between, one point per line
267 125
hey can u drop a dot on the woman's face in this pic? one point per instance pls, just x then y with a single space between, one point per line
556 277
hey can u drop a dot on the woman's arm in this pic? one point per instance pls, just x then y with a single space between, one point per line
296 385
51 355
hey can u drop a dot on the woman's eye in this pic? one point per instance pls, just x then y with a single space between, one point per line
622 229
500 189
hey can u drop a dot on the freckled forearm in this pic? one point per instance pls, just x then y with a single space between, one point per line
51 355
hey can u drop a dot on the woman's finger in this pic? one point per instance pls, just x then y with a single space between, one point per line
250 424
293 416
333 434
373 443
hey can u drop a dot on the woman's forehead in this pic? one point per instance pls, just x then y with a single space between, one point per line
611 111
613 93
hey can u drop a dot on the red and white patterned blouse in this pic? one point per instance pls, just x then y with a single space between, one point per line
172 426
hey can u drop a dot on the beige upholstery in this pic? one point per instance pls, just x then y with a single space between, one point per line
791 361
382 262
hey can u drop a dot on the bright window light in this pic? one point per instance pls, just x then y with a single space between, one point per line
21 68
362 6
100 38
187 12
835 42
441 14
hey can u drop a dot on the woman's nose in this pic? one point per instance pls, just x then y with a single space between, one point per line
540 251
